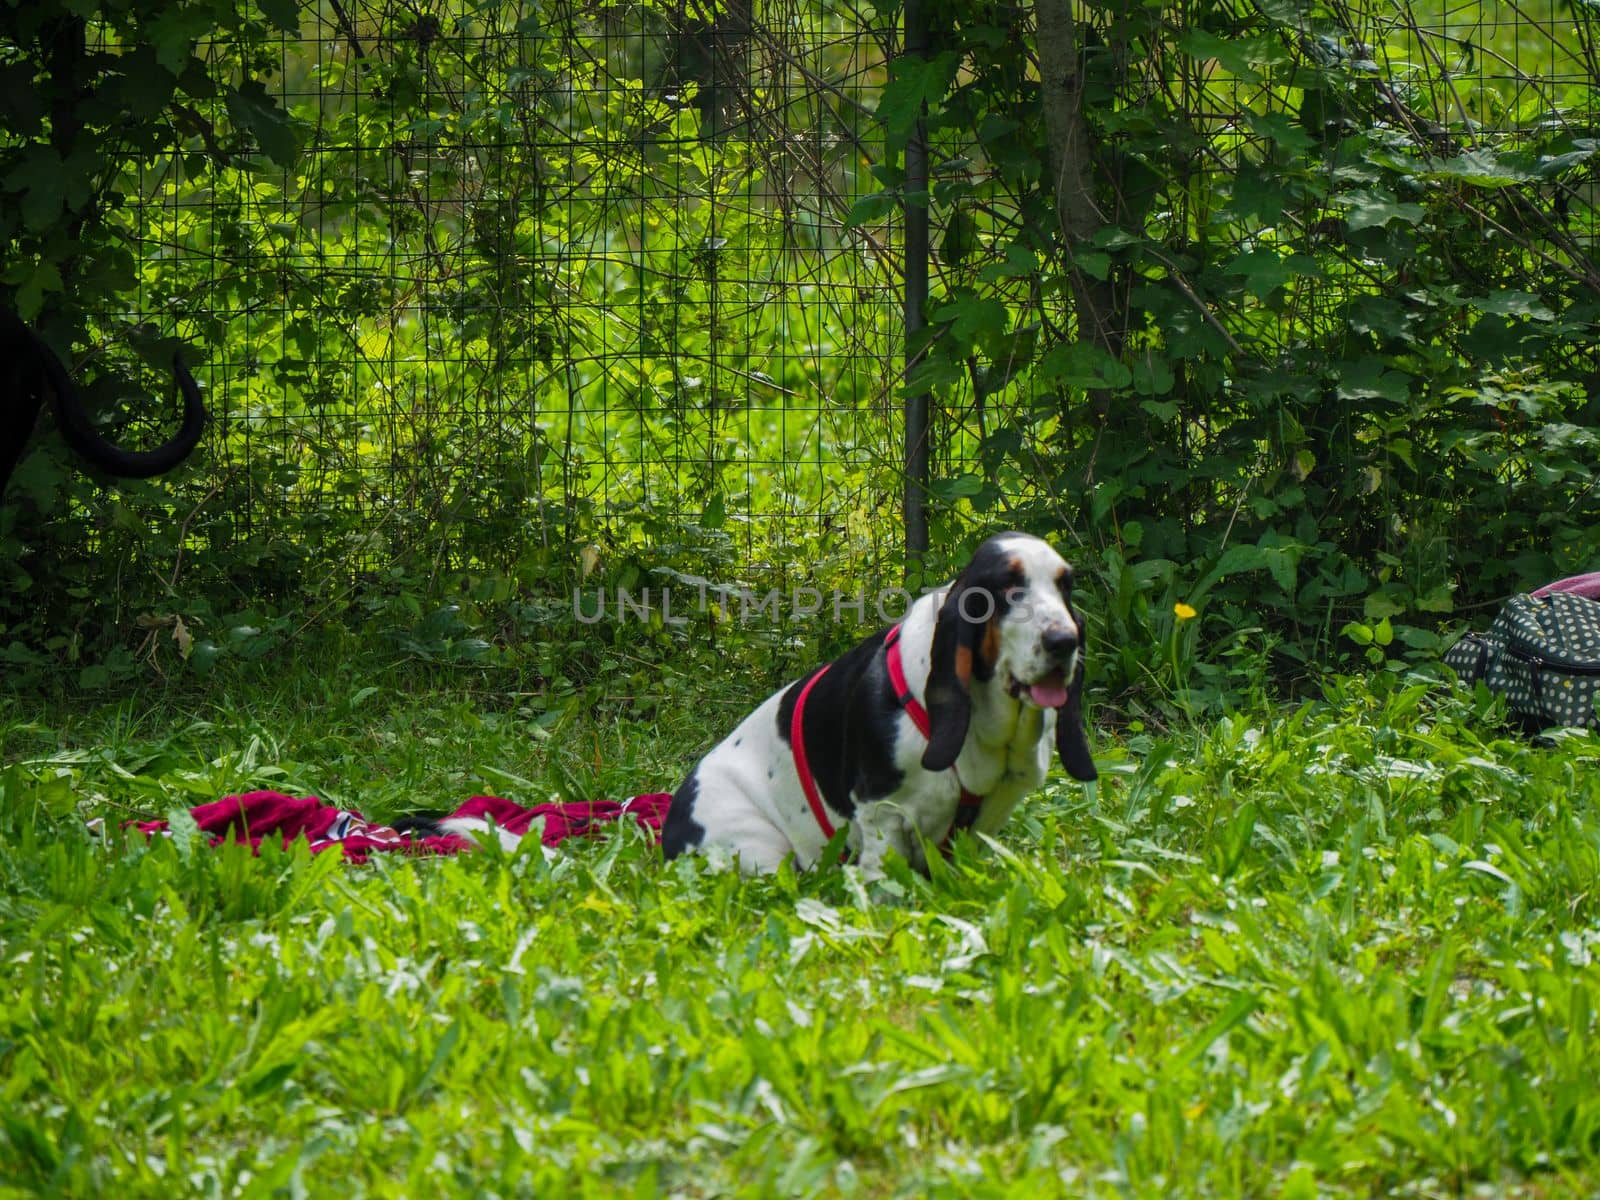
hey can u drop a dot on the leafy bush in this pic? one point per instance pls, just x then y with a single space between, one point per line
1308 344
1345 371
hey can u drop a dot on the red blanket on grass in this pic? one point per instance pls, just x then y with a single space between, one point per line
258 815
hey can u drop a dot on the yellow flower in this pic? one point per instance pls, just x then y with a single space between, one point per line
1184 612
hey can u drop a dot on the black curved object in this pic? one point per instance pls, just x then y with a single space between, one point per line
30 369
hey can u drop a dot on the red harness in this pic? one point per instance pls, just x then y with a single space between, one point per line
969 804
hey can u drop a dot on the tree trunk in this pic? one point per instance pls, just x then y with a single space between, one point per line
1101 320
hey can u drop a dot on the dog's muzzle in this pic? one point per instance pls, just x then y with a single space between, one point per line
1050 689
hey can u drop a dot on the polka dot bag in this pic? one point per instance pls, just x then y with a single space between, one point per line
1542 653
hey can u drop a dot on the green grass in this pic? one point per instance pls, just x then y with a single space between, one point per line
1345 949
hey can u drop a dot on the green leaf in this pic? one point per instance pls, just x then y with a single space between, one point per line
1079 364
284 14
174 32
41 179
254 110
1011 355
182 831
1230 1018
913 83
715 514
1369 211
30 1145
1281 565
1549 166
1486 168
262 1082
1265 270
1281 129
977 318
1017 261
1281 562
960 237
145 87
42 277
1514 304
870 208
956 488
1366 379
1238 56
204 655
1489 869
1376 314
1092 263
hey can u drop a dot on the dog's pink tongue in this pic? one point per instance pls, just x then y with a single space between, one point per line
1049 692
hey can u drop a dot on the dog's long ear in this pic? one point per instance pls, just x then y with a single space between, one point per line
1072 733
956 639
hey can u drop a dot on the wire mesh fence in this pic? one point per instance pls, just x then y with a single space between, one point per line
517 278
485 287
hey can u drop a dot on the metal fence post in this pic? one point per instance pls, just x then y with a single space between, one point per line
915 500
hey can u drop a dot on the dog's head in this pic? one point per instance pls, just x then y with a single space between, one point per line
1008 622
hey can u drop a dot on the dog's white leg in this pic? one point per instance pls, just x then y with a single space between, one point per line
759 844
883 827
763 859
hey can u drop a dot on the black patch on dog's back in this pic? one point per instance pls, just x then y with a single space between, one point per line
680 832
849 727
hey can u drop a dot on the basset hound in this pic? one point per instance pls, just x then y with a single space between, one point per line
942 722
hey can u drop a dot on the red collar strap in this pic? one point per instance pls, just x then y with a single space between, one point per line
802 766
902 690
969 804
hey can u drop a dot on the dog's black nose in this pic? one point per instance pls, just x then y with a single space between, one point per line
1060 641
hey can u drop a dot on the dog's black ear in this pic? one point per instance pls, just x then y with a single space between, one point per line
1072 732
956 638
